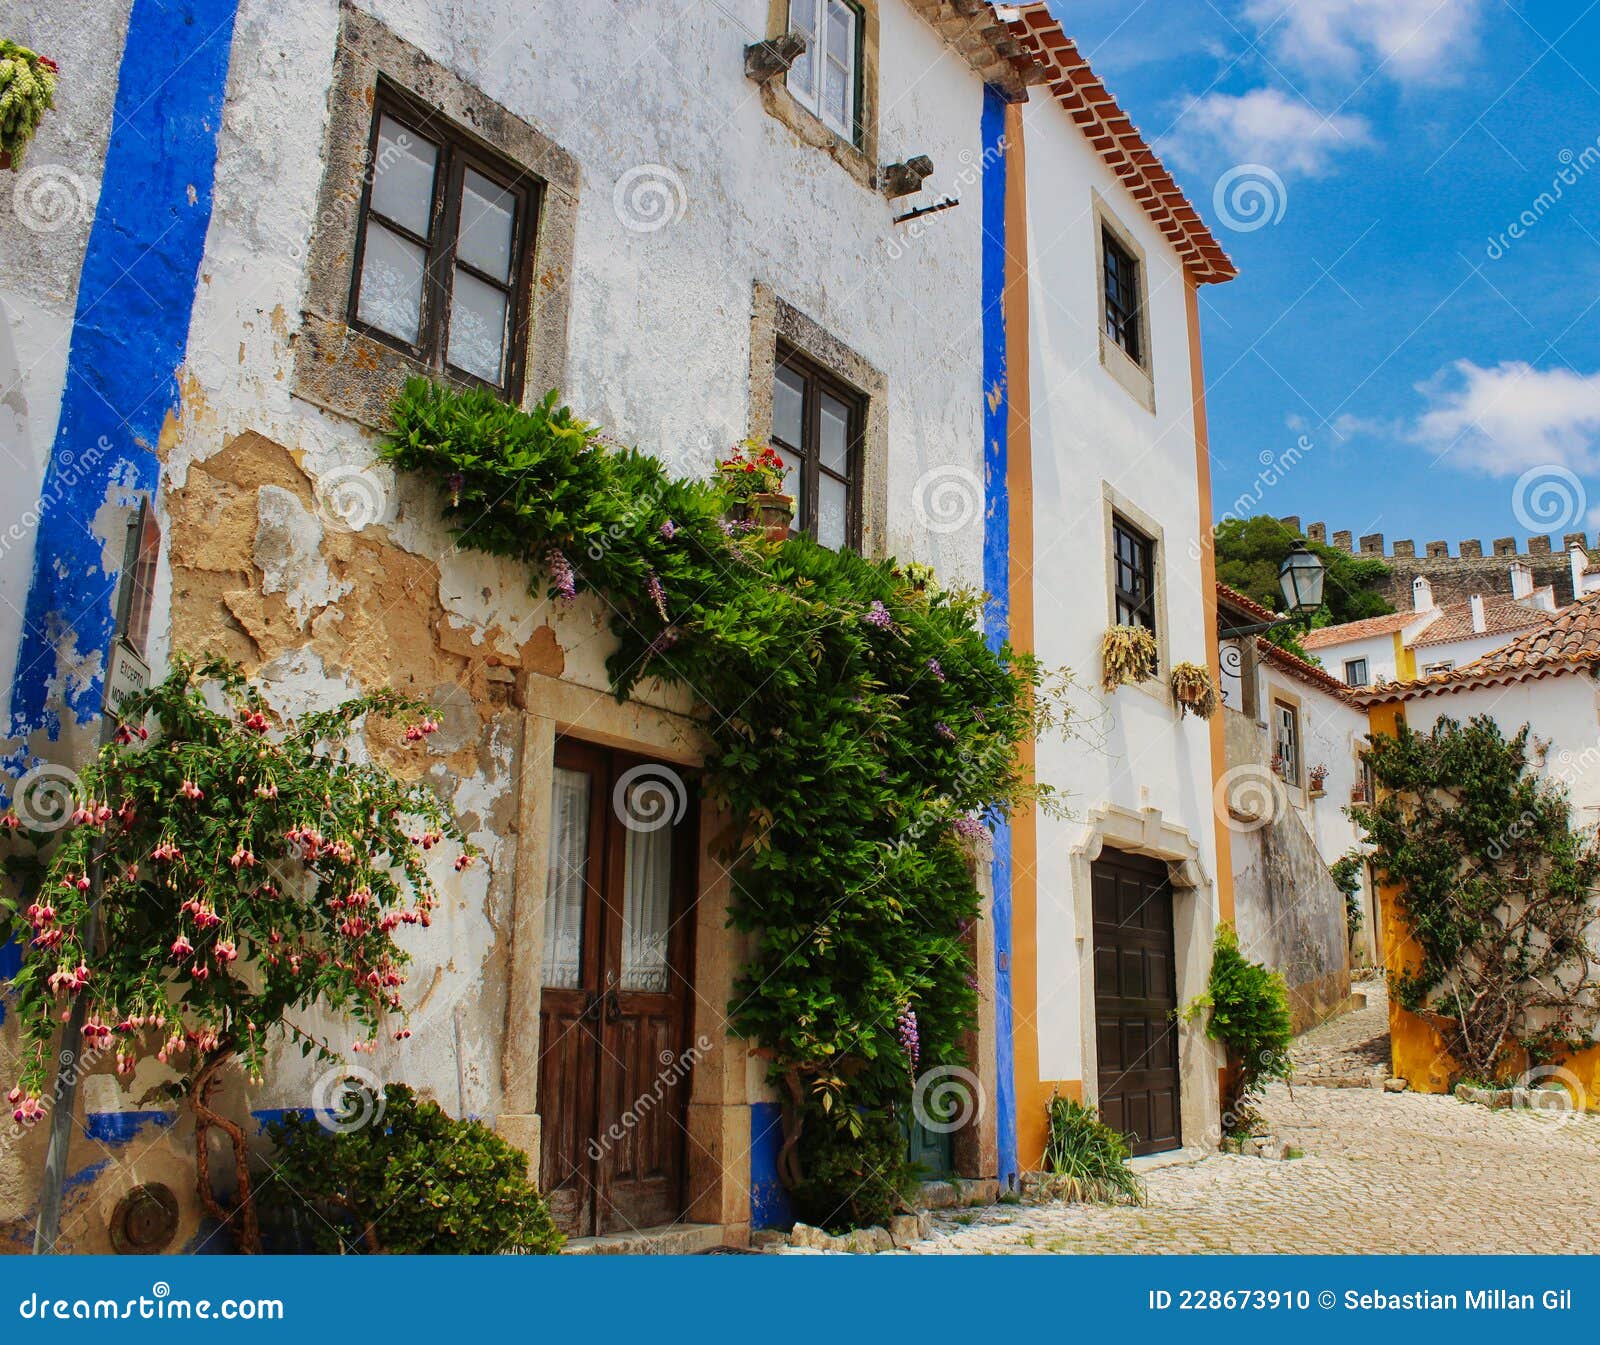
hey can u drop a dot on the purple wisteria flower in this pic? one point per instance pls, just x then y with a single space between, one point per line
935 669
658 595
562 574
878 615
945 731
457 480
910 1039
969 827
669 530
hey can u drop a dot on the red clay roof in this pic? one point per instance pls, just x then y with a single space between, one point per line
1501 616
1364 629
1298 667
1569 643
1110 131
1241 602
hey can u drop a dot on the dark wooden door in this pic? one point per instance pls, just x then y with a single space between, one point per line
1135 1001
614 1063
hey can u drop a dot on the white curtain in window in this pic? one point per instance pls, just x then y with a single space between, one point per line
565 887
646 909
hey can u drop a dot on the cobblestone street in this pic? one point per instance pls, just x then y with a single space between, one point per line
1380 1172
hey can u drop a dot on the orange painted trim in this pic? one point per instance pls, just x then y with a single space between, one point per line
1032 1092
1208 595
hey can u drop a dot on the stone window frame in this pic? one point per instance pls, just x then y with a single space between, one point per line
1136 377
347 371
1113 506
858 157
1280 698
774 321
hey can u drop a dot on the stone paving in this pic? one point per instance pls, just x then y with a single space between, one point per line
1353 1045
1380 1172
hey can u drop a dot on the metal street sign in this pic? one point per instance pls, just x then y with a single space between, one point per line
126 673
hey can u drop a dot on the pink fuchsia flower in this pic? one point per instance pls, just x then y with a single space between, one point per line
165 851
256 722
267 791
190 790
463 862
227 951
28 1111
455 481
181 947
402 1034
10 821
242 858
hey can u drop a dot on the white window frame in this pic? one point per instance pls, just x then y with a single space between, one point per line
1349 673
1287 716
1443 665
817 49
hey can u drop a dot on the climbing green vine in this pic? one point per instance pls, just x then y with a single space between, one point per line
862 732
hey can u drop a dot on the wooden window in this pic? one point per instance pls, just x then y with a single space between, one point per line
1355 672
1122 296
1133 561
825 77
1286 739
816 428
443 248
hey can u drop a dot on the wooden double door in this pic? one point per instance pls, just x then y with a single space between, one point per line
615 1010
1136 1001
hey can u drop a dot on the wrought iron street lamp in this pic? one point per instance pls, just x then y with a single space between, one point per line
1301 577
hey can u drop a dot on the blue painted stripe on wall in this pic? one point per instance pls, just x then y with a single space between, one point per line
118 1127
129 332
997 582
10 965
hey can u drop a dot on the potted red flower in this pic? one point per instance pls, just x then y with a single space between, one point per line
752 477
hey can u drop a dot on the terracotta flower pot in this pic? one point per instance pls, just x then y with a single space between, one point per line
773 513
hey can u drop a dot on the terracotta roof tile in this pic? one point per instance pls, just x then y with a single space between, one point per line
1244 603
1569 643
1364 629
1079 90
1306 672
1501 616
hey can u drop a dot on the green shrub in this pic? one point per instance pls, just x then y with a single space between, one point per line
856 1182
1249 1014
412 1180
1346 874
1086 1159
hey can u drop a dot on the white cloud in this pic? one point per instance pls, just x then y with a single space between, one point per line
1505 420
1423 42
1264 126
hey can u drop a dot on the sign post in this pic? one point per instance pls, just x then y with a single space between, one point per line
126 672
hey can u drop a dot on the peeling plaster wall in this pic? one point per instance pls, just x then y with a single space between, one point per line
260 561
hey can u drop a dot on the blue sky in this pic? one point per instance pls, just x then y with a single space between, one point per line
1445 371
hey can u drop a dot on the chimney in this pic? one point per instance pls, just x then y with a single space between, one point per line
1480 624
1521 580
1578 558
1421 595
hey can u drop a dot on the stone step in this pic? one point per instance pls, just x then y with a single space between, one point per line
667 1240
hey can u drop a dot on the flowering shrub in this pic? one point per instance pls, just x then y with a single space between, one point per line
752 469
413 1181
861 730
248 868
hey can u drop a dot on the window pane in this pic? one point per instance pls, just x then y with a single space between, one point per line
488 212
646 908
832 511
565 887
788 407
841 31
802 76
391 283
791 482
477 327
835 100
834 448
402 176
